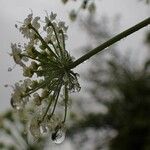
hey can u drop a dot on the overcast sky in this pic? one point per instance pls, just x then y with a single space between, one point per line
11 11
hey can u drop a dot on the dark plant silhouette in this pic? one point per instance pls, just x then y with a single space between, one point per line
125 92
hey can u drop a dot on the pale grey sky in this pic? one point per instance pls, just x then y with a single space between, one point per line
11 11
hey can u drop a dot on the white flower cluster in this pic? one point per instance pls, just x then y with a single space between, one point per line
45 59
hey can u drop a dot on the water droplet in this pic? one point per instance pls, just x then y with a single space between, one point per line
44 129
16 105
59 135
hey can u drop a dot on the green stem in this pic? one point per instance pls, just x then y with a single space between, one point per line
42 40
49 105
50 24
54 47
56 99
35 89
63 38
33 58
110 42
66 103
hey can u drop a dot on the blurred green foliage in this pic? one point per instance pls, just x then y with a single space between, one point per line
124 89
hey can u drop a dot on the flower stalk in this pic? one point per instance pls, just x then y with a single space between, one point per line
42 40
110 42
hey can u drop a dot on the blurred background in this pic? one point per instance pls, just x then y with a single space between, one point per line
112 110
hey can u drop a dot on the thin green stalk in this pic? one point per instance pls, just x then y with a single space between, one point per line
55 35
56 100
49 105
33 58
54 47
63 38
42 40
66 103
110 42
35 89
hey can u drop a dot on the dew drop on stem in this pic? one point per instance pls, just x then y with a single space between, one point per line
58 136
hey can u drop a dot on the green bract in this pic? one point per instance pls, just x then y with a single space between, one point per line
45 59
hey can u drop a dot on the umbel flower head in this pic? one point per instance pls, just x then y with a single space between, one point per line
44 60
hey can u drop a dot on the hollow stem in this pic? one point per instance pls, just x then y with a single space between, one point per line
110 42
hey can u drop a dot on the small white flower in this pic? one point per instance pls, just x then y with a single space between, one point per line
62 26
27 72
52 16
25 59
23 88
48 38
25 31
55 26
30 50
16 98
32 36
16 54
49 30
53 38
28 20
28 82
47 20
33 65
35 23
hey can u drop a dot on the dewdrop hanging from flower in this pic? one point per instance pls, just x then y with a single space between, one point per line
44 60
